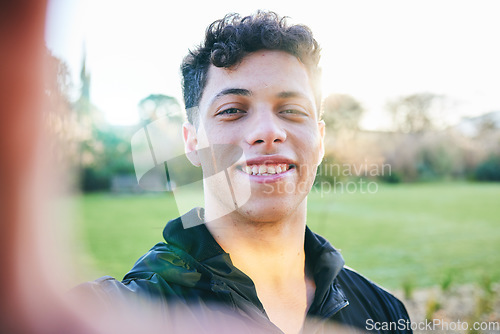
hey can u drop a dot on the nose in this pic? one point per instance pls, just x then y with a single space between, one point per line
265 129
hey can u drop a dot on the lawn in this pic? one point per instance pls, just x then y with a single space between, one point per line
419 234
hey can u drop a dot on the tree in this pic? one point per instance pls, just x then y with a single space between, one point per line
155 106
161 123
342 111
81 139
59 117
341 114
413 113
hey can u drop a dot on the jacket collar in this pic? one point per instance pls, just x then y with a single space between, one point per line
190 234
325 263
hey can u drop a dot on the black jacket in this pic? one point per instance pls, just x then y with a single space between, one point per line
192 268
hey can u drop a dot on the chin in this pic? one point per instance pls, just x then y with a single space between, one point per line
268 212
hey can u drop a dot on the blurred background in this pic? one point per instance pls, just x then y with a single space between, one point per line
409 189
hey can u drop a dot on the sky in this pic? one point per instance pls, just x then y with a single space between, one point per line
372 50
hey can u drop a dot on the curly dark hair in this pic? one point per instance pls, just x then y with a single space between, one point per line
230 39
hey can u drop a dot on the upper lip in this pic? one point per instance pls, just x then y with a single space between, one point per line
268 160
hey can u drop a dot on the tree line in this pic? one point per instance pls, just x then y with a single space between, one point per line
418 147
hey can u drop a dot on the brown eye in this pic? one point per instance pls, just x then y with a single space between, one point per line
230 114
231 111
293 112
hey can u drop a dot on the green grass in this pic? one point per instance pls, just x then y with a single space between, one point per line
117 230
421 233
417 232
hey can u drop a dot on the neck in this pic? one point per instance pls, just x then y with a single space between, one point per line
272 251
272 254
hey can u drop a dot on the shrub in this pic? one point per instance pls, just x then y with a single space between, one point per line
488 170
94 180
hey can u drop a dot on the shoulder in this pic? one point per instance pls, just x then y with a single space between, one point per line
106 291
155 274
360 286
369 302
164 271
162 259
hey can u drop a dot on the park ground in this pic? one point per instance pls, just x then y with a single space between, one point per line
435 245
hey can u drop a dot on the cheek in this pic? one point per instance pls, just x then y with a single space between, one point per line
218 149
308 147
308 140
224 134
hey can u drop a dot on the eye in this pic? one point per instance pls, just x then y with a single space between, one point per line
230 114
231 111
290 111
294 112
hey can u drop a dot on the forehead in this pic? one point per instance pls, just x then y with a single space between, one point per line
262 73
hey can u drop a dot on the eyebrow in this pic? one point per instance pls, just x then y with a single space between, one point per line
288 94
246 92
296 94
231 91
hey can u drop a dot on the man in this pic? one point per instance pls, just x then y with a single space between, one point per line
252 90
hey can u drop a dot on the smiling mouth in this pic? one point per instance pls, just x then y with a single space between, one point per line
267 169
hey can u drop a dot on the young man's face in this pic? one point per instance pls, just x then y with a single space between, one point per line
263 107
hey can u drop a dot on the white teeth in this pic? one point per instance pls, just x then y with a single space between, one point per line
265 169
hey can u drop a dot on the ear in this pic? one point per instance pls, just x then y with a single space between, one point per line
321 129
191 143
